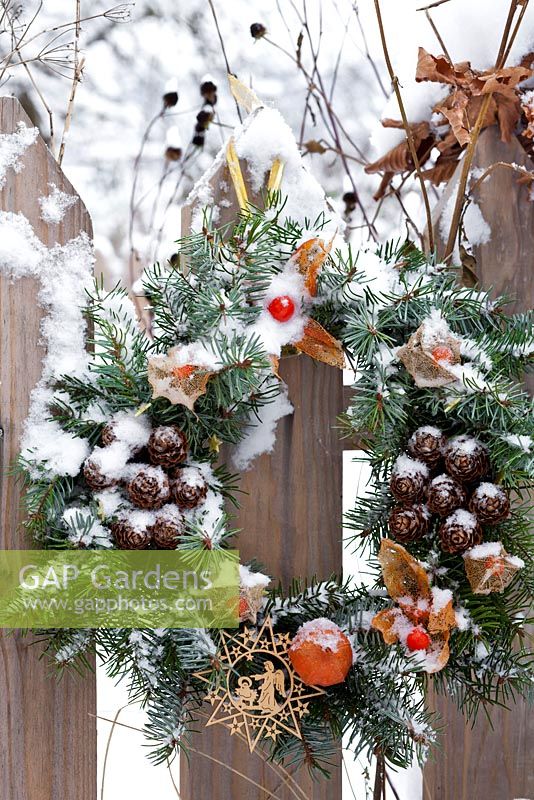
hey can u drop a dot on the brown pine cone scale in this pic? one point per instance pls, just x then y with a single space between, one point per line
167 528
427 445
408 479
188 487
94 477
130 536
444 495
466 459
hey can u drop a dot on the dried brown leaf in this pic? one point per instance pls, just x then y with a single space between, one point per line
502 81
440 70
399 158
442 171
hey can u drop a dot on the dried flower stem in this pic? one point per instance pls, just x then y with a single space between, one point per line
223 48
433 5
78 67
408 130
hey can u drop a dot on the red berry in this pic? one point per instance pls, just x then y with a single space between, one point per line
442 353
418 639
281 308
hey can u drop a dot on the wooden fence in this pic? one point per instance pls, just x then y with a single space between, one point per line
292 523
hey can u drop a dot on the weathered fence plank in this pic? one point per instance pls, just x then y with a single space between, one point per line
291 523
47 733
493 760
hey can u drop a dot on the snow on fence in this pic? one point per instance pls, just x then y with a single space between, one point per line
47 728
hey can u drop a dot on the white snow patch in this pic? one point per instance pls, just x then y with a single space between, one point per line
64 272
261 434
320 631
55 205
12 146
251 580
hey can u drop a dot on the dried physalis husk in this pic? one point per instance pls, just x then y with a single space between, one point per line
250 604
252 586
309 258
442 617
418 604
182 384
321 345
489 568
403 574
427 357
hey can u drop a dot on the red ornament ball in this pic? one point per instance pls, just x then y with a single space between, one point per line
281 308
418 639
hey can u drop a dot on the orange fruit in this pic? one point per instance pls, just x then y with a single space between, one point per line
321 654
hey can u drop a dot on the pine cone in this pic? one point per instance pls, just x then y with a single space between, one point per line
408 523
460 532
167 446
125 427
188 487
466 459
149 488
167 528
95 479
490 503
108 435
130 534
408 479
427 444
444 495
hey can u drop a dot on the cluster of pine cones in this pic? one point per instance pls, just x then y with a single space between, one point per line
165 488
443 477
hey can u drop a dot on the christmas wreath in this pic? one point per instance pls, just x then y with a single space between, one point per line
126 455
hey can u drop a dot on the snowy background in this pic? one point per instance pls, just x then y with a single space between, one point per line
115 157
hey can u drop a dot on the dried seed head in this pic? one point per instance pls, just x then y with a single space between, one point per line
257 30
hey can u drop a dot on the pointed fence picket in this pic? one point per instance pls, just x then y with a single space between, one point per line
47 727
291 523
493 759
